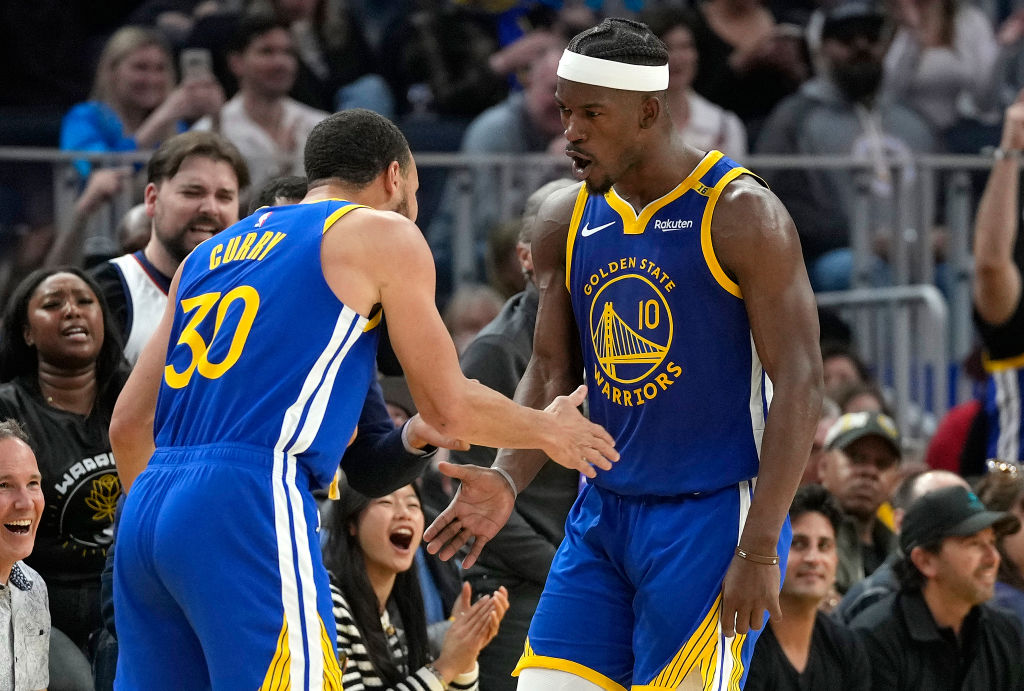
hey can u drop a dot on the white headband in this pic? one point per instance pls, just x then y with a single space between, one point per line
611 74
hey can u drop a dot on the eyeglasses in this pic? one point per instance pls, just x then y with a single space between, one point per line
994 465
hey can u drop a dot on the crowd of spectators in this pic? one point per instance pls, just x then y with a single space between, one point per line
219 97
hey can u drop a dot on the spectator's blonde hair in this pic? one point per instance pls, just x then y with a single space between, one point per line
119 46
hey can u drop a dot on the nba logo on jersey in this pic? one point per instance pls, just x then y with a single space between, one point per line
262 219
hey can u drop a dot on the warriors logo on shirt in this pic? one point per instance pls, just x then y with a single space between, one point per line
631 330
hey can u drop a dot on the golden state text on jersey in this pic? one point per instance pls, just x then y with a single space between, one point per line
671 366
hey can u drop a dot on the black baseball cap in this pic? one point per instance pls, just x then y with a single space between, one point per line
849 12
951 512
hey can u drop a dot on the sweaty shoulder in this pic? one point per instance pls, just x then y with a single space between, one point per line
748 210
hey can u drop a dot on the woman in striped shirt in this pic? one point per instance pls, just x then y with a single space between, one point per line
378 606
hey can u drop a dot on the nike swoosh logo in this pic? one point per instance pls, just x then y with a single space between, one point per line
588 231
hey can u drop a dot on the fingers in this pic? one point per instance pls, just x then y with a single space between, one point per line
474 552
454 470
578 396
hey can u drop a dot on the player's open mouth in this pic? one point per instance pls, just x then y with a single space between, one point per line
580 165
19 527
401 538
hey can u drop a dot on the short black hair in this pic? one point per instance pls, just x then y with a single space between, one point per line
285 187
907 573
621 40
816 499
251 27
354 146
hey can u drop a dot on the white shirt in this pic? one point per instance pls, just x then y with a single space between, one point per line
265 157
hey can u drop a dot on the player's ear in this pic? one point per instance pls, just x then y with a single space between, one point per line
650 110
392 178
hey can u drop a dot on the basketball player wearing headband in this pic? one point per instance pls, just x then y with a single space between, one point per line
673 278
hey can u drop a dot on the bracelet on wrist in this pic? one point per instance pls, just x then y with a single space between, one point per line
757 558
511 482
1001 154
433 670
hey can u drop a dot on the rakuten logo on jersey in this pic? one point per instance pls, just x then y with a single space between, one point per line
673 224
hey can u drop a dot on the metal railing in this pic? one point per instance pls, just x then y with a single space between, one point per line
919 183
903 332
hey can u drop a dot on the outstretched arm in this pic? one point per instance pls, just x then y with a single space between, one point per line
997 280
131 425
756 242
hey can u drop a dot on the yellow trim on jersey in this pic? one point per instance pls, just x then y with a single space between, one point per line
530 659
334 489
699 652
635 225
992 366
574 224
278 676
333 218
705 233
373 321
332 670
737 670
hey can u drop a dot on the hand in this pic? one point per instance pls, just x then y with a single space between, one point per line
1012 29
501 604
480 508
420 434
470 631
748 590
580 444
103 184
203 96
1013 125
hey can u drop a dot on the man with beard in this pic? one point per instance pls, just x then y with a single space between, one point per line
841 113
658 237
192 193
936 632
807 649
860 469
244 400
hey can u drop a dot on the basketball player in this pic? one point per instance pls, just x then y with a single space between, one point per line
253 384
674 279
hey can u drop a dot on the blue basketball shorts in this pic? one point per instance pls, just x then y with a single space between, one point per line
634 595
218 578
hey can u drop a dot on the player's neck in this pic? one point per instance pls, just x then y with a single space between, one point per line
658 175
334 189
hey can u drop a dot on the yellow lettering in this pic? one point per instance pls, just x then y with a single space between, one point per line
604 390
587 290
278 237
650 390
632 262
598 377
674 369
594 279
603 273
229 253
246 244
616 396
655 271
670 286
643 264
628 398
613 267
261 244
215 256
639 398
663 380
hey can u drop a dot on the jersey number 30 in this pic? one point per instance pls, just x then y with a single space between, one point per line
202 306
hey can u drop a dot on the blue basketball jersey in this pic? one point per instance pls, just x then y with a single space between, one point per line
670 361
261 351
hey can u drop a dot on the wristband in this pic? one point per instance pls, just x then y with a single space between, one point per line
756 558
511 483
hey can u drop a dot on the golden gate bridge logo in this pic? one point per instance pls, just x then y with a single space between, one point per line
629 352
